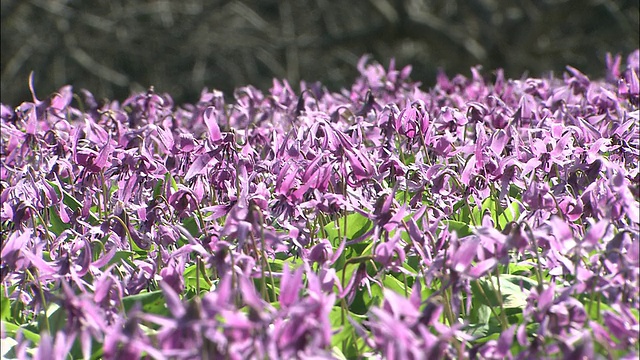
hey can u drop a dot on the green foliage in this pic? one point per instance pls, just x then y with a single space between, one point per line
356 225
194 278
5 306
12 331
460 228
152 302
71 202
346 340
504 291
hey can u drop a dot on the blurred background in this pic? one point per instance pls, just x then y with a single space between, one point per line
114 47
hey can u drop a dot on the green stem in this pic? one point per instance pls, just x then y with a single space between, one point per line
41 220
473 222
354 260
537 254
503 317
259 256
446 294
126 229
493 311
102 248
406 285
36 279
424 149
263 252
105 193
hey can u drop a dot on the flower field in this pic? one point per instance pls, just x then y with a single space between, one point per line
480 218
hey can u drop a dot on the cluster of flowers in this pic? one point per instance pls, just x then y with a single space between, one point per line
479 219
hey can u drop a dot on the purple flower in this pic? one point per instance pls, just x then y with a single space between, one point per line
56 348
290 286
321 252
465 254
183 202
499 349
346 208
173 274
537 196
625 328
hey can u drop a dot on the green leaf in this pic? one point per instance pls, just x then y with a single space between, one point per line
152 302
477 213
191 280
636 313
489 204
346 339
511 213
168 178
122 255
71 202
478 330
488 293
407 265
492 332
363 301
376 297
347 272
157 189
426 290
501 216
277 264
593 308
5 306
408 158
462 229
337 353
519 269
191 225
484 314
332 233
390 282
57 318
403 197
11 330
357 225
461 209
526 282
514 191
360 249
56 225
141 253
